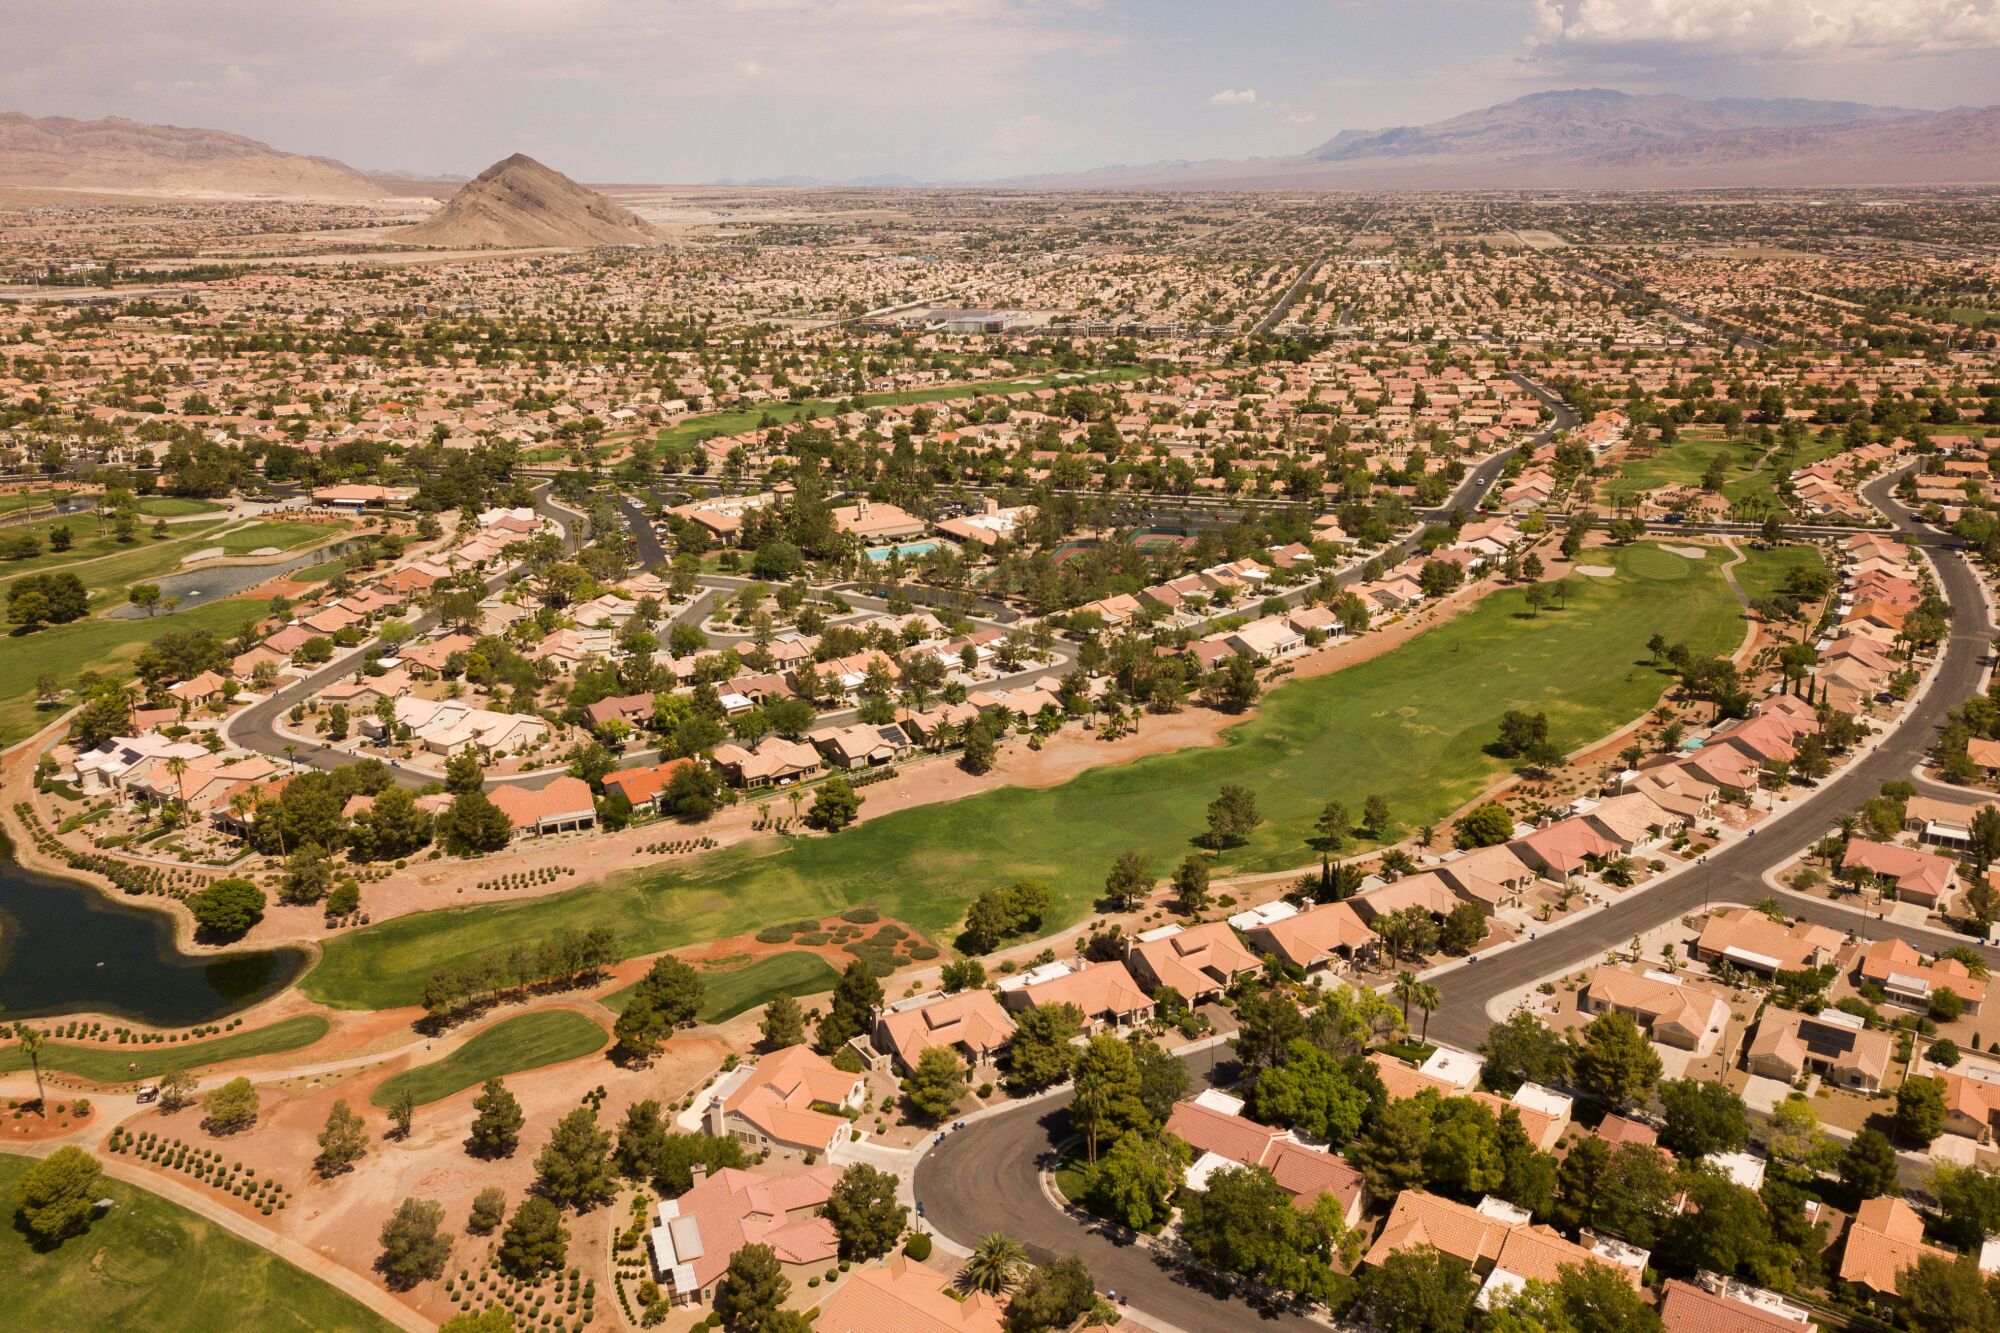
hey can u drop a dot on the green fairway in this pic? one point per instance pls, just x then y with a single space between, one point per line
104 646
727 994
150 1264
285 536
129 1064
526 1041
100 559
730 423
1409 726
174 506
1763 572
15 503
1751 475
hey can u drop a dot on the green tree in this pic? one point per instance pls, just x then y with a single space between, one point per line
863 1210
1132 1183
472 824
1614 1061
392 827
1702 1118
489 1209
496 1122
994 1265
1868 1166
1163 1078
1920 1110
642 1136
938 1083
835 806
1129 881
1054 1296
55 1197
668 996
1589 1296
343 1141
232 1106
1969 1199
463 773
1390 1152
1418 1289
1333 828
682 1153
1483 826
414 1246
1039 1055
535 1242
227 908
574 1168
1725 1228
1232 817
1191 884
1520 1050
1324 1098
856 996
1106 1104
402 1111
784 1024
1950 1294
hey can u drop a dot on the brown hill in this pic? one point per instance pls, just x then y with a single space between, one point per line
519 202
120 156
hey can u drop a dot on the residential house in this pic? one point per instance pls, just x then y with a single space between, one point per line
1105 992
1670 1011
693 1237
1310 939
644 787
774 761
561 805
1885 1238
1213 1125
1835 1045
903 1296
791 1100
1199 962
969 1021
1917 877
1745 938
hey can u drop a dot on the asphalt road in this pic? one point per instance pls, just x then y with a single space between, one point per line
1736 873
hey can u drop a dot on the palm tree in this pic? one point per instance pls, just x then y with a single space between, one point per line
1429 999
31 1046
179 767
995 1263
1426 834
1406 989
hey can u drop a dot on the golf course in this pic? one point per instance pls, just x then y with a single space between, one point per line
148 1263
1409 726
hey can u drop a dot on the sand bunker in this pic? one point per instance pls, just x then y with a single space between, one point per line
1690 552
1596 571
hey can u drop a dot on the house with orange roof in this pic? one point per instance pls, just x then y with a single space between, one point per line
1670 1011
1885 1238
562 805
1310 939
1909 978
643 787
1918 877
903 1296
1214 1127
1837 1046
970 1022
1106 993
1746 938
1497 1240
1566 847
1198 961
694 1236
790 1101
1733 1307
1971 1105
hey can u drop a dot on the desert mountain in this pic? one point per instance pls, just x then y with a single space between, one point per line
115 155
519 202
1596 138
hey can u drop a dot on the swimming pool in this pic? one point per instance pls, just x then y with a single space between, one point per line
880 553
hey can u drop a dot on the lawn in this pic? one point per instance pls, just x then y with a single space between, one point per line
1409 726
525 1041
283 535
151 1264
113 564
176 506
1751 477
128 1064
727 994
321 572
1763 572
11 504
104 646
730 423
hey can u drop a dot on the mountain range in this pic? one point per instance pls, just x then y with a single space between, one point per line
519 202
124 156
1597 138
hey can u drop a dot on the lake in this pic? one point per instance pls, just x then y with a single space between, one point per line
66 948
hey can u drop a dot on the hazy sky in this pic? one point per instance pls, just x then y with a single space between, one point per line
691 90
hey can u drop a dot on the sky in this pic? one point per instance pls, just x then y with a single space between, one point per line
669 91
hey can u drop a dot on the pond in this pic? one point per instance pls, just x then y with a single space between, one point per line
66 948
208 584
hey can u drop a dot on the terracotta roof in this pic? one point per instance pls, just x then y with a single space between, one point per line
1689 1309
903 1296
1886 1237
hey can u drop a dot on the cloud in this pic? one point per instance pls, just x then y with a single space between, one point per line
1234 97
752 69
1666 30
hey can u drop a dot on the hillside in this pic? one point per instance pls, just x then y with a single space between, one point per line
1601 139
115 155
519 202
